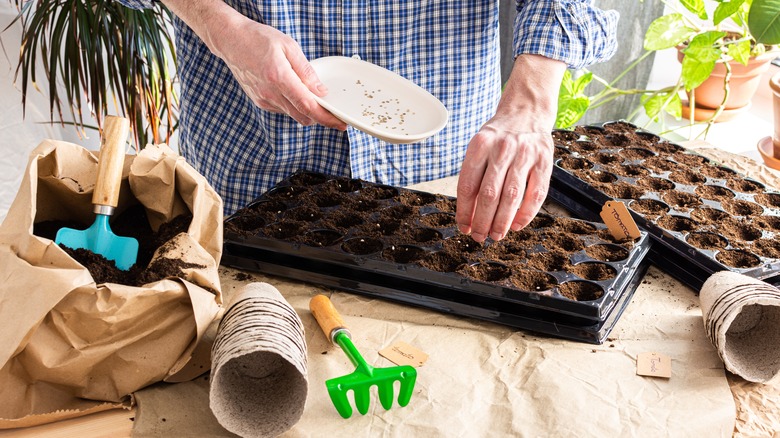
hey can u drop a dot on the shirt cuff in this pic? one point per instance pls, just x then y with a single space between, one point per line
572 31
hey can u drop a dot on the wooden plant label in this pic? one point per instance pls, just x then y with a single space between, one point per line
402 353
654 365
619 221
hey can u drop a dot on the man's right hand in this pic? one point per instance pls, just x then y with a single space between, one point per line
269 65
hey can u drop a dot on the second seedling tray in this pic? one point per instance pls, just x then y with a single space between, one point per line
704 216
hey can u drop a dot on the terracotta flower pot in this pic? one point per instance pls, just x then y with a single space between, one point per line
774 84
743 84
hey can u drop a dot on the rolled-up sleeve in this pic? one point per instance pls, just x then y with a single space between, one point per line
138 4
572 31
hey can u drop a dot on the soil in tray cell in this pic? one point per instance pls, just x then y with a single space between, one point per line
708 207
569 259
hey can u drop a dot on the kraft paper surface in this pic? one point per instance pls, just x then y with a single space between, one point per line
484 379
758 405
70 346
488 380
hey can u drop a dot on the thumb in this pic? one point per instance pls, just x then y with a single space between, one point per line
306 73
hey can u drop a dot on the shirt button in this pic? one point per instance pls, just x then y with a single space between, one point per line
355 56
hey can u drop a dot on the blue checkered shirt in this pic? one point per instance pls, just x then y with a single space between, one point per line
450 49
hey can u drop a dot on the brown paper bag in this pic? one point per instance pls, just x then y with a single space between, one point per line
70 346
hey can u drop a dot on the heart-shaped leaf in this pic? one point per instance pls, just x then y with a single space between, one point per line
764 21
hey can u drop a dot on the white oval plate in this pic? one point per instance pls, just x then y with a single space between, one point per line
377 101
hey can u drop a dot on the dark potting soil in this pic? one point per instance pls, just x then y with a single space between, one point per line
416 228
134 223
712 208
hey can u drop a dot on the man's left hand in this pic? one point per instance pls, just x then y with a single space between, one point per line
506 172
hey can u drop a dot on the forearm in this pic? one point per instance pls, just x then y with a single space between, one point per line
138 4
531 92
209 19
266 63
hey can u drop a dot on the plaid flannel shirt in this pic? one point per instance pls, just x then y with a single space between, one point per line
449 48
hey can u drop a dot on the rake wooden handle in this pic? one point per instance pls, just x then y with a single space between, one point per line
111 161
327 317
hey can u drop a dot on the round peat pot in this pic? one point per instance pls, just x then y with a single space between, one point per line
742 319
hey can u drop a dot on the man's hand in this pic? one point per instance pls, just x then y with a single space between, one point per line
269 65
506 172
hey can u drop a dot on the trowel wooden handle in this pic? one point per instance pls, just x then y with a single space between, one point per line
111 161
327 317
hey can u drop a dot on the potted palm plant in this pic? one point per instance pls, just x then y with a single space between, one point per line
97 53
720 44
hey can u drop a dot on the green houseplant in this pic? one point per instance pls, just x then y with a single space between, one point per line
708 33
97 52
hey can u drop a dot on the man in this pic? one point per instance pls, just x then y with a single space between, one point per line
249 118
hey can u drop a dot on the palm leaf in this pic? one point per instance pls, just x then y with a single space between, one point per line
104 57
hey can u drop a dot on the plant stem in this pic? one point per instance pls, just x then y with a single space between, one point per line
722 106
630 67
612 94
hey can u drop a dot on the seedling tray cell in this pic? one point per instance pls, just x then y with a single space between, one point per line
704 216
403 245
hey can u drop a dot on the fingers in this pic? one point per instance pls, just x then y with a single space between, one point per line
490 196
535 194
306 72
498 201
300 97
469 184
292 97
512 200
278 77
502 185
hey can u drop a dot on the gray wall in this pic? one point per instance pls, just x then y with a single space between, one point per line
634 18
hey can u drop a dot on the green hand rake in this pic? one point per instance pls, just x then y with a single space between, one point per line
364 376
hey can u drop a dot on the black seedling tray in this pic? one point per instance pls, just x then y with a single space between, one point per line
685 201
435 297
403 245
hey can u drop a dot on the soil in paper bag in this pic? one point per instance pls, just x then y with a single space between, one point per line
131 223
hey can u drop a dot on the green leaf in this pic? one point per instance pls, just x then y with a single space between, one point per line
725 10
764 21
695 6
667 31
674 107
669 103
572 102
581 83
567 84
653 104
695 72
571 110
740 51
700 57
704 43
